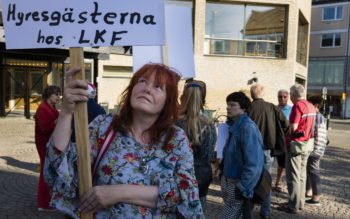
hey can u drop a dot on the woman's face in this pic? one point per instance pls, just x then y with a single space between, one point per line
233 109
147 96
54 98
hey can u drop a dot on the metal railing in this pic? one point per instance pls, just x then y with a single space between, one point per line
243 47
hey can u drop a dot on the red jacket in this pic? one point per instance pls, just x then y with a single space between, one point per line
45 121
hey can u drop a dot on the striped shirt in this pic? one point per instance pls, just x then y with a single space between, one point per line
320 134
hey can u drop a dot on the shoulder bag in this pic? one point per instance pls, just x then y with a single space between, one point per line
263 187
101 151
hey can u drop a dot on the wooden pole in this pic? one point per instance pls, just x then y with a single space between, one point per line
81 131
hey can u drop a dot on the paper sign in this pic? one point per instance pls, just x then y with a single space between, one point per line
146 54
178 23
82 23
222 139
179 41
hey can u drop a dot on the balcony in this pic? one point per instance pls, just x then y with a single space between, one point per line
243 47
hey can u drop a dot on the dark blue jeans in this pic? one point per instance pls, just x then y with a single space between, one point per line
313 175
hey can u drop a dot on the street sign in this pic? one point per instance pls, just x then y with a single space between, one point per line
324 90
324 93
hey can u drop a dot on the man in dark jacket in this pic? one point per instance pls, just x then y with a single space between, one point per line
269 119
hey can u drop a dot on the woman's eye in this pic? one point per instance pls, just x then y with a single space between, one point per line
142 80
159 87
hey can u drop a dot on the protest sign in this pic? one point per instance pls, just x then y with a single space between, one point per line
178 22
82 23
146 54
179 43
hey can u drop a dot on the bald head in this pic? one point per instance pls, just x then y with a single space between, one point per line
257 91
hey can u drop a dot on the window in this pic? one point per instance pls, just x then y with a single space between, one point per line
245 29
326 72
303 27
315 73
333 13
331 40
334 72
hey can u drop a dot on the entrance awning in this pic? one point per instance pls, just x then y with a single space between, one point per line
49 54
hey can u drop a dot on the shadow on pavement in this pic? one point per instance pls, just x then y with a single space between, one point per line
20 164
335 172
18 197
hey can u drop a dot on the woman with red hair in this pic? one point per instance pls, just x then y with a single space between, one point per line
142 162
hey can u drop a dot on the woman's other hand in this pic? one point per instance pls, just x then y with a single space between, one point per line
74 91
106 195
97 198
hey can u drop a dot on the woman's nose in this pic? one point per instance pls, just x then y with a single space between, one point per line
147 88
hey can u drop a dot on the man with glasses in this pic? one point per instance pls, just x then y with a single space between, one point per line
283 97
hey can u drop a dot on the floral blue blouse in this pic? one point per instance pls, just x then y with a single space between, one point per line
170 167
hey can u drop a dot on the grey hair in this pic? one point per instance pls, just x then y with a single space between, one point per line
283 91
257 91
297 91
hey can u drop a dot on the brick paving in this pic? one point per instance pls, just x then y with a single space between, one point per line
19 176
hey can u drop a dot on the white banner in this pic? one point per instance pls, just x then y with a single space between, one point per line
223 133
146 54
178 22
179 41
82 23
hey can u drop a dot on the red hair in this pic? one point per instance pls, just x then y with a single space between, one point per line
167 117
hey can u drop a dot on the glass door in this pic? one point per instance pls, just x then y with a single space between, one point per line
24 87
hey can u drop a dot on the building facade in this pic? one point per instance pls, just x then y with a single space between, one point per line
329 55
235 44
24 74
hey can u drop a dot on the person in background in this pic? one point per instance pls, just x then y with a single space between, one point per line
266 115
45 121
301 120
313 182
283 97
93 108
243 158
201 133
147 170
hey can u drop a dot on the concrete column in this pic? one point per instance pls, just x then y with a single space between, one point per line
199 26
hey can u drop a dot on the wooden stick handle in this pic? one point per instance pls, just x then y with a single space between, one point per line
81 131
